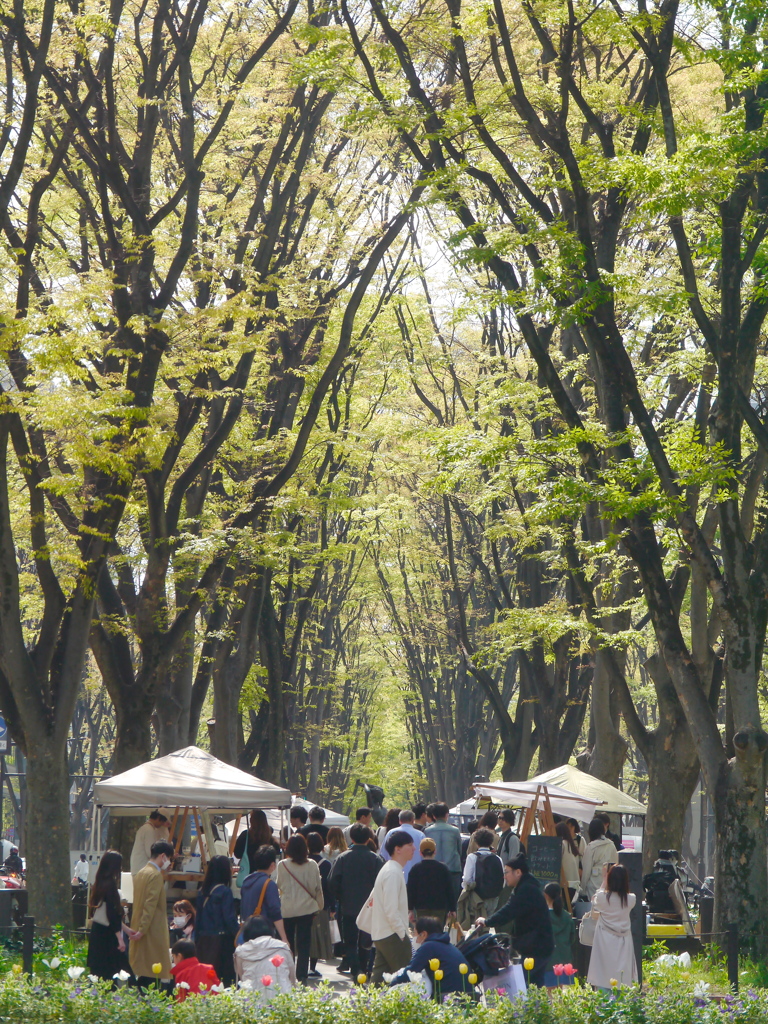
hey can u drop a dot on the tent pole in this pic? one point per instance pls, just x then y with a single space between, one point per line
200 843
172 831
233 838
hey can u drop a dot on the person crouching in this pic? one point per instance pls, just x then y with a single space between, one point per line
188 973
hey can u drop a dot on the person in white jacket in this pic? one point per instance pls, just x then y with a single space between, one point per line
390 925
261 956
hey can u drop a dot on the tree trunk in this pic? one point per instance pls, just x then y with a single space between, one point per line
606 757
133 746
673 771
741 880
47 832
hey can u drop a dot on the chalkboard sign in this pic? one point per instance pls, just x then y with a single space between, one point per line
544 856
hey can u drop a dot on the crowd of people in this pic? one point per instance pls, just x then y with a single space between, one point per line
387 902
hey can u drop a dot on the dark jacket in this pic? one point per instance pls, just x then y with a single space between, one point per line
250 893
252 847
564 932
430 886
324 867
216 913
437 947
352 876
530 913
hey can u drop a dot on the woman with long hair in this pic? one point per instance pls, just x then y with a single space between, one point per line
613 951
391 821
258 833
570 860
107 943
336 844
301 897
216 924
600 851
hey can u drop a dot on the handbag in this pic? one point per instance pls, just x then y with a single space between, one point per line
364 920
335 931
587 927
245 868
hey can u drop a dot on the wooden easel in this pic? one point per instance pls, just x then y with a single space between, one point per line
539 817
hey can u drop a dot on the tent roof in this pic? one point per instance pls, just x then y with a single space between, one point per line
571 778
188 778
522 794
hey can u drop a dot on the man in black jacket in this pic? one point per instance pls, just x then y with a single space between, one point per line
351 883
528 909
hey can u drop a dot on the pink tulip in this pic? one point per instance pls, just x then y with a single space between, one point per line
266 980
276 961
570 970
558 969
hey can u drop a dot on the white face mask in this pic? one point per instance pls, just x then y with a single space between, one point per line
179 922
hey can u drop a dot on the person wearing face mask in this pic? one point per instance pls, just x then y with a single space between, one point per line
435 944
183 923
149 922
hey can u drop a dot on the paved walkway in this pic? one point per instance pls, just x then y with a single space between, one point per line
339 982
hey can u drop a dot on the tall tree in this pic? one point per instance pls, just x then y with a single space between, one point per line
605 145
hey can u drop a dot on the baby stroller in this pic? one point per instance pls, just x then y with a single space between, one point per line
487 955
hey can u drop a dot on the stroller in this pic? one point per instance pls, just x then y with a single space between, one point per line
487 955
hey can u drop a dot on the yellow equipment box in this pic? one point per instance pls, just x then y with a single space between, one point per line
665 931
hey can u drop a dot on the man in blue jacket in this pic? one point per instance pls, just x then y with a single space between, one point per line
435 944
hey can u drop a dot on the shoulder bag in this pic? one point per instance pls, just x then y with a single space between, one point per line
587 927
299 881
245 868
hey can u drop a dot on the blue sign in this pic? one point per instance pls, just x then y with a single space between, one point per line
3 729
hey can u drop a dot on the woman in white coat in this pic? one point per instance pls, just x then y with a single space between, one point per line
599 852
613 951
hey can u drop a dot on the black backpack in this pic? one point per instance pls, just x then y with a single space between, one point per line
489 876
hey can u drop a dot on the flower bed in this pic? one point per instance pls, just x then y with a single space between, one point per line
65 999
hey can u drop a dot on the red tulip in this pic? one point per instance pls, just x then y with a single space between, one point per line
266 980
558 969
277 960
570 970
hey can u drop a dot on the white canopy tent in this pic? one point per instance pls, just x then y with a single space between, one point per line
614 801
189 777
523 794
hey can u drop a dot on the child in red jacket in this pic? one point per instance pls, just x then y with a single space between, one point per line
189 974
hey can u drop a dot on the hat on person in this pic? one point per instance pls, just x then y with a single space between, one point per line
427 845
166 812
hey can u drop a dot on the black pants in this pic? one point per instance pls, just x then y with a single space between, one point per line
299 932
356 945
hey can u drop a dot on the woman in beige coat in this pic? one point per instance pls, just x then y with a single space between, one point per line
613 951
600 851
301 897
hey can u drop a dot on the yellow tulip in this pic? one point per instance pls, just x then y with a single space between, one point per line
472 979
528 963
614 983
434 963
438 975
361 979
463 968
17 968
157 968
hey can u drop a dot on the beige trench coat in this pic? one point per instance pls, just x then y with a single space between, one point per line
151 919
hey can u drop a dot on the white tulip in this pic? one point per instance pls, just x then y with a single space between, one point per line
75 972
